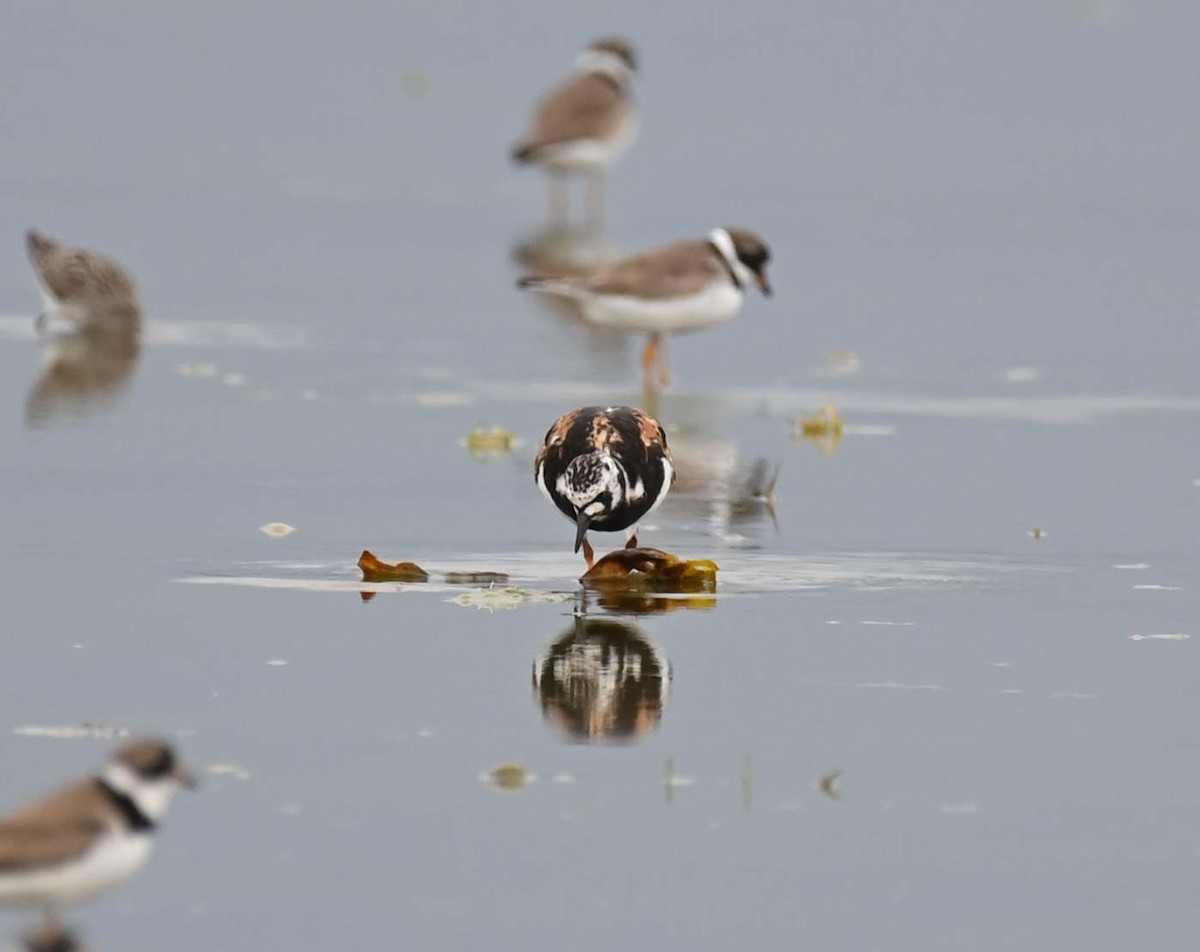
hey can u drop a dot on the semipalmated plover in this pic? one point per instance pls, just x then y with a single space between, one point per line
91 835
605 468
586 122
88 289
683 287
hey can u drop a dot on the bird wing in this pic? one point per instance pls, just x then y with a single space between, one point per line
75 273
677 270
60 827
583 107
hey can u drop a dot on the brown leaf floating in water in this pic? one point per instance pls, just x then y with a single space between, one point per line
651 570
374 570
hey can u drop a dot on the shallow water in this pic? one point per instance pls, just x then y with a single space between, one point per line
992 208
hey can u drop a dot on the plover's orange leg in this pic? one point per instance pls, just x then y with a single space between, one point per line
664 372
654 362
588 553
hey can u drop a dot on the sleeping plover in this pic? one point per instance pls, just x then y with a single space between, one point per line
605 468
585 123
683 287
91 835
84 287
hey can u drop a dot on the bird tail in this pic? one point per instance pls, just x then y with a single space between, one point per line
548 285
522 153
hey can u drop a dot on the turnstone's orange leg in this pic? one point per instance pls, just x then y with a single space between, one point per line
589 553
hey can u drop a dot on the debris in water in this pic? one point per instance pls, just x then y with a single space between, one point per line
829 785
373 570
842 363
1021 375
277 530
824 428
506 599
235 771
275 663
476 578
443 398
1037 532
488 441
414 84
509 776
198 371
651 570
1168 636
71 731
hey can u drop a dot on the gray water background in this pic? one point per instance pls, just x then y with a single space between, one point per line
317 198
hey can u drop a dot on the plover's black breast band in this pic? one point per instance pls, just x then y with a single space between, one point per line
130 812
737 282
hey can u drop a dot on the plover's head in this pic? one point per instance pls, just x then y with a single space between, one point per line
594 485
745 253
148 772
610 55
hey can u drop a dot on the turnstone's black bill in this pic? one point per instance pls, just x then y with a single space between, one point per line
92 835
587 121
84 287
605 468
683 287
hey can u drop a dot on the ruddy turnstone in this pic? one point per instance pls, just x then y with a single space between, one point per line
605 468
86 288
585 123
91 835
683 287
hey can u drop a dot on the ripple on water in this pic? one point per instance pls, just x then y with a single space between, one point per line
741 573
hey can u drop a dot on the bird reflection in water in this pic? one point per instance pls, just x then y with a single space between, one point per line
92 322
51 937
85 370
561 250
602 681
729 496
